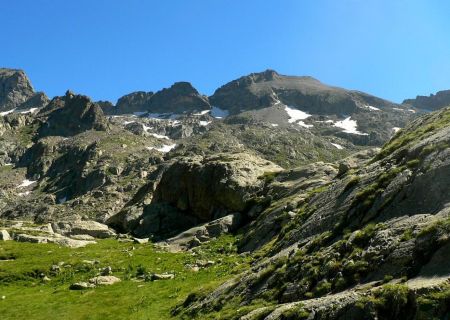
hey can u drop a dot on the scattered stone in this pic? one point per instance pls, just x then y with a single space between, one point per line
4 235
140 240
103 280
81 286
29 238
106 271
162 276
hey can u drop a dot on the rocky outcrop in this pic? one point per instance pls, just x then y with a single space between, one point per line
90 228
134 102
16 91
210 187
197 235
180 98
70 115
432 102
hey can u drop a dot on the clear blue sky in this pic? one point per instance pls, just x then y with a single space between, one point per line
391 48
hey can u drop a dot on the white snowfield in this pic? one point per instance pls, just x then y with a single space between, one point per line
159 136
31 110
165 148
349 126
396 129
302 124
372 108
338 146
25 183
4 113
201 113
274 124
218 113
296 115
204 123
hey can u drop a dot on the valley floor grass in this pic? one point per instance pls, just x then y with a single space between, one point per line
27 296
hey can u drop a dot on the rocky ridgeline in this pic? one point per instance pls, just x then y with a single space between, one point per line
433 102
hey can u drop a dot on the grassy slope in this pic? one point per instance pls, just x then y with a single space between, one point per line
28 297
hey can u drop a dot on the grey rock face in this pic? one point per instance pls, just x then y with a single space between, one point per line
207 187
16 91
181 97
433 102
71 114
134 102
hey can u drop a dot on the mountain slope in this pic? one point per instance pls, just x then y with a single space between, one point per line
385 220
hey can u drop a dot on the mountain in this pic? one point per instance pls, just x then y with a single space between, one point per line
305 101
433 102
180 98
16 91
289 200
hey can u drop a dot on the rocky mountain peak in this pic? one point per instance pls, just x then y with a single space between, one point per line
16 89
71 114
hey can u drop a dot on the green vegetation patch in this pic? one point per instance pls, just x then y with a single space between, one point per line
29 296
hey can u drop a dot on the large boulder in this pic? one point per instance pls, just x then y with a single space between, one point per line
212 186
83 227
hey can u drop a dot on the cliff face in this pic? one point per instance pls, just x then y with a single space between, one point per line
433 102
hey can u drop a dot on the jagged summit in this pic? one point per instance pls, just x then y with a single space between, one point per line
16 91
70 115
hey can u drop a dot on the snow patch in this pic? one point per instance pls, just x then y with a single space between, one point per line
338 146
296 115
372 108
204 123
302 124
159 136
7 164
274 124
165 148
4 113
412 110
31 110
349 126
218 113
201 113
25 183
22 194
396 129
128 122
